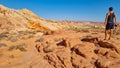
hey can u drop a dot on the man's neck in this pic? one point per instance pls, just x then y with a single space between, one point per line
110 11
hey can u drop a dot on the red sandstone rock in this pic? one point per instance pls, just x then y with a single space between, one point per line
90 39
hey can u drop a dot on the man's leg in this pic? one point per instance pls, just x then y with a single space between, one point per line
111 31
105 34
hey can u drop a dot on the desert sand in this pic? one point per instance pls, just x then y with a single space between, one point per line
29 41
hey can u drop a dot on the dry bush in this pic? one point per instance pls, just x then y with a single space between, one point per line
21 47
88 36
56 39
117 32
27 32
41 39
101 30
13 38
12 48
3 35
85 30
3 44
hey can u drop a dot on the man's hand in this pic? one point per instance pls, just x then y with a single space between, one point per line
116 25
104 23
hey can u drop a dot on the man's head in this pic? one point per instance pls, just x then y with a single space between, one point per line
111 9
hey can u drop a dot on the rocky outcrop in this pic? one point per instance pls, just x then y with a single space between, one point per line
60 59
82 53
57 50
24 19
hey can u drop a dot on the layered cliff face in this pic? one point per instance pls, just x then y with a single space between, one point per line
24 19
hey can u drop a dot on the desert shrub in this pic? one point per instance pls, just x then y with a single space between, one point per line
29 36
41 39
3 35
23 32
13 38
88 36
56 39
117 32
31 32
96 27
74 28
3 44
97 30
11 48
21 47
77 29
85 30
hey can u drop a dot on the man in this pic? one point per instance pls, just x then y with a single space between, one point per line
110 21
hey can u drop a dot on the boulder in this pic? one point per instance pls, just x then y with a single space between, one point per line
86 51
59 59
110 45
102 51
112 54
90 39
103 63
107 63
69 42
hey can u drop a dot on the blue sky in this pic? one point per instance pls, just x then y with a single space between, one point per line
78 10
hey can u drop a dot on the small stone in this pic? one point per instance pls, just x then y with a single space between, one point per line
48 48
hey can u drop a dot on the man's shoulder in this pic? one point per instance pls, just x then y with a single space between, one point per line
107 14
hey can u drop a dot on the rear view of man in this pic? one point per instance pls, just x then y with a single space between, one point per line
110 21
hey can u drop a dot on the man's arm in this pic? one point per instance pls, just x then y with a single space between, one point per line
106 18
115 17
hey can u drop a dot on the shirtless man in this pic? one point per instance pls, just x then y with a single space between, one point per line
110 21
